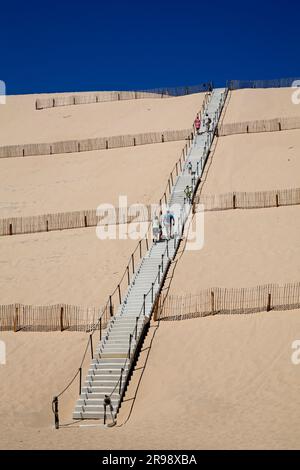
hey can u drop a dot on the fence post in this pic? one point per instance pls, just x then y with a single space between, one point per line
111 309
119 290
152 286
121 378
234 201
61 318
144 304
165 198
169 186
55 411
140 244
171 174
162 138
128 275
162 263
269 303
16 319
91 345
100 326
10 229
132 260
212 297
277 200
129 350
80 379
155 309
159 274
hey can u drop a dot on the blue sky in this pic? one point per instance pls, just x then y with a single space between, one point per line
94 45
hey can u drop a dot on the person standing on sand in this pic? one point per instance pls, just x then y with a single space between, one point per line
190 168
197 124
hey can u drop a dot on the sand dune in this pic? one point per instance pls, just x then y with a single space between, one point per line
230 385
71 266
217 382
254 162
20 123
34 185
242 248
256 104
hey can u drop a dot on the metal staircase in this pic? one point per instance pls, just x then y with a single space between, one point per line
110 369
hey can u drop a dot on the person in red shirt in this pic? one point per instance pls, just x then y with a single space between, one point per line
197 124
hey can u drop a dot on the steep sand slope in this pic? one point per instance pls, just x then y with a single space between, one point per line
230 384
254 162
71 266
253 104
37 185
242 248
21 123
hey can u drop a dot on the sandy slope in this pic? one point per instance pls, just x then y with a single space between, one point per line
21 123
242 248
37 185
70 266
254 162
250 105
231 384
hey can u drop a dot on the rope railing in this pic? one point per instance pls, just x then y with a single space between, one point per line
101 97
131 266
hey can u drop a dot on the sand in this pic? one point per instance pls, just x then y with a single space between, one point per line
38 185
217 382
69 266
254 162
230 384
242 248
20 123
257 104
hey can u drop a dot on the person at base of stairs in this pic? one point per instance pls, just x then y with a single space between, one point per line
169 222
197 124
156 230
